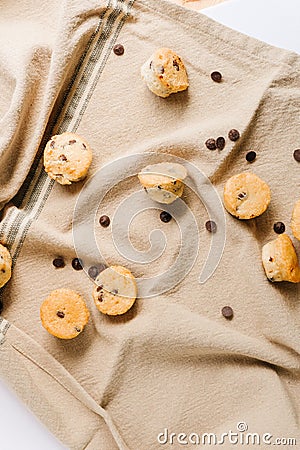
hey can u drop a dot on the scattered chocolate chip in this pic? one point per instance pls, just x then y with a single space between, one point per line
104 221
216 76
60 314
119 49
77 264
77 329
234 135
220 143
165 216
227 312
58 263
250 157
151 62
99 288
63 158
83 145
158 187
93 272
1 306
211 144
115 291
211 226
100 298
271 259
297 155
3 270
52 144
242 195
161 69
72 141
176 65
101 267
279 227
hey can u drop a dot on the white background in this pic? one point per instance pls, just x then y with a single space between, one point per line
273 21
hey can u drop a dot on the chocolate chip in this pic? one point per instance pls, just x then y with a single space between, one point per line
250 157
119 50
3 270
211 226
1 306
151 62
227 312
175 64
93 272
104 221
77 264
279 227
60 314
216 76
297 155
220 143
83 145
271 259
242 195
234 135
101 267
63 158
100 298
115 291
52 144
99 288
77 329
211 144
165 216
161 69
73 141
58 263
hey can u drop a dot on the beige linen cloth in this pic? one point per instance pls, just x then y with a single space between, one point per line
173 362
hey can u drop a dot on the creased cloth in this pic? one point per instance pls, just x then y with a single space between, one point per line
173 362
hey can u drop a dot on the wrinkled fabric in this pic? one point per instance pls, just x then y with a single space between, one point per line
172 362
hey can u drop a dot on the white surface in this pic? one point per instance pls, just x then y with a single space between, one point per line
273 21
19 429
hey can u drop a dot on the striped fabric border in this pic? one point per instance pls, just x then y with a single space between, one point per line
37 187
4 326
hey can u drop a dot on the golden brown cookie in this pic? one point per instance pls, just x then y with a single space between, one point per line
64 313
5 265
280 260
165 73
67 158
246 196
295 224
116 291
164 181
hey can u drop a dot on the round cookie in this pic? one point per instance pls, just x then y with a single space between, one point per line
64 313
295 224
116 291
246 196
5 265
165 73
67 158
280 260
163 182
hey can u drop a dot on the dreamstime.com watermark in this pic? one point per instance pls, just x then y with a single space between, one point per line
135 202
240 437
